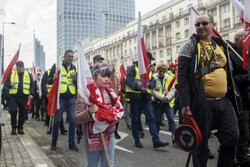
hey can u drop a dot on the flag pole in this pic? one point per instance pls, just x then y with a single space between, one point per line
51 113
105 149
232 49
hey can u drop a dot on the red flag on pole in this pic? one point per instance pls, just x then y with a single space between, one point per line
143 61
243 13
11 65
122 71
53 95
216 34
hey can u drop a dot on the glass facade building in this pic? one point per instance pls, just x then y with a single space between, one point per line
39 54
90 19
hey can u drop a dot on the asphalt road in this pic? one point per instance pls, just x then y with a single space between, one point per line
126 154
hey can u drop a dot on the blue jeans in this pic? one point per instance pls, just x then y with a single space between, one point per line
159 109
146 106
126 107
170 116
70 104
94 156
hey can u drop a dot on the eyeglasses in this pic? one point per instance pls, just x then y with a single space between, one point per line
204 23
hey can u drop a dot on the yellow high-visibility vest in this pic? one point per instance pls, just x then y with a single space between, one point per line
26 82
159 89
67 81
48 86
138 81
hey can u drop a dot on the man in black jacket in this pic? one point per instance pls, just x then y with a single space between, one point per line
21 87
242 82
68 92
207 91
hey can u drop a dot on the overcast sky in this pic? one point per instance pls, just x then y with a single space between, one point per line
40 16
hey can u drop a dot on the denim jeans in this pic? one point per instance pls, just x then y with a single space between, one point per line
159 109
126 107
70 104
146 106
94 156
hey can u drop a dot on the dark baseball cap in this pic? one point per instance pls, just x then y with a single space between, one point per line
97 57
150 57
20 63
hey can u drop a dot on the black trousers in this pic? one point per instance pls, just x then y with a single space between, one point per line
242 147
38 107
17 105
220 115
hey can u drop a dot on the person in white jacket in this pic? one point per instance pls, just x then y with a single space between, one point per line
163 100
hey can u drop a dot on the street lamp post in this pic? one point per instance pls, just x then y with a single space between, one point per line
3 46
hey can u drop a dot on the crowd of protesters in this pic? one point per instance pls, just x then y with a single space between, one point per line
211 85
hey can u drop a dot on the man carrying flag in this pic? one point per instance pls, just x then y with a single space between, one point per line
21 88
67 98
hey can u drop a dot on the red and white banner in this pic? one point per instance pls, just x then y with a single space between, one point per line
143 61
11 65
243 13
106 114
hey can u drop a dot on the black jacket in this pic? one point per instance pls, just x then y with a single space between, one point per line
20 85
240 76
43 85
187 68
67 94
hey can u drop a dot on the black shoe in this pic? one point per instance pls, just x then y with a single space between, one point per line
129 127
20 131
13 131
48 132
63 132
210 155
73 147
160 144
53 146
142 135
117 136
138 144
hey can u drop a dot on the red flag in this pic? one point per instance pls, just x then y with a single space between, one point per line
143 61
243 13
122 71
11 65
172 81
52 96
216 34
27 105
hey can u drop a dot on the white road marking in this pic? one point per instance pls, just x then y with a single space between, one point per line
123 136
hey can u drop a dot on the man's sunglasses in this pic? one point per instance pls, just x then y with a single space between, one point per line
204 23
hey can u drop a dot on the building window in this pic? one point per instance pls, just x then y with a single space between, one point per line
178 36
186 20
181 11
226 8
161 53
213 12
171 15
177 24
178 49
225 37
186 33
169 52
226 22
164 19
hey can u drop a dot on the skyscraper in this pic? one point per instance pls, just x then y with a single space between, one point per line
90 19
39 54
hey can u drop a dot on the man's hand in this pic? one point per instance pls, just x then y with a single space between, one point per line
30 96
12 84
73 75
165 100
55 76
144 90
186 110
93 109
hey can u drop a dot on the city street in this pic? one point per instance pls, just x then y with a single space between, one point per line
126 154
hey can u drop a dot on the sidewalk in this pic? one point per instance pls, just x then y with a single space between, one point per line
20 150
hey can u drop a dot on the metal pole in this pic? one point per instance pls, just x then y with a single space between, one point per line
2 58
